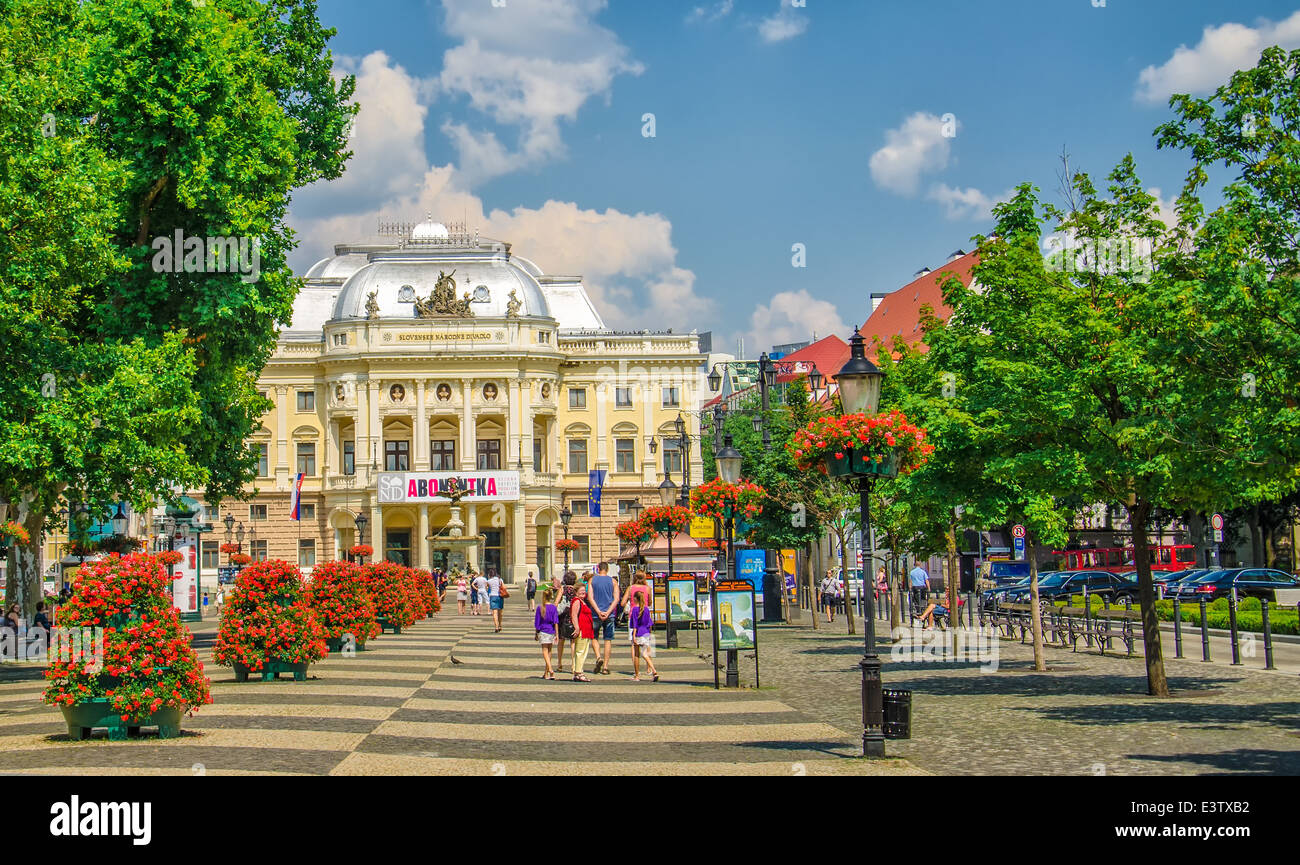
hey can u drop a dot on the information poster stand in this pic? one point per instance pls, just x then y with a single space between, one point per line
734 627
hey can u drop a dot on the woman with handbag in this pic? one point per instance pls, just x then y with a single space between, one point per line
497 594
563 607
585 626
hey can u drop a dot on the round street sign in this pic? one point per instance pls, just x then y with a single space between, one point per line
1216 522
1018 531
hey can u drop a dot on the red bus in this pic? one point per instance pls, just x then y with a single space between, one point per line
1164 557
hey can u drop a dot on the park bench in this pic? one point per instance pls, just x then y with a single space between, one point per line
1101 626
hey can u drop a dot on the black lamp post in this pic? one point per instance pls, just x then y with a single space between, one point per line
668 498
361 521
634 513
120 520
565 516
230 530
859 382
169 527
239 541
729 461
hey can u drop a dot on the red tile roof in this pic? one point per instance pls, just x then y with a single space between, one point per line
899 312
829 354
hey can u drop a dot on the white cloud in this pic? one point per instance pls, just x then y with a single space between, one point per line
791 316
1221 51
785 24
628 261
709 14
969 203
527 64
915 148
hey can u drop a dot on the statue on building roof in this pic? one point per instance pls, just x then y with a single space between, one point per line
442 300
513 305
372 306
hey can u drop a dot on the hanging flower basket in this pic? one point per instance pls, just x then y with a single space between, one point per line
267 624
362 551
567 544
636 531
859 444
229 549
720 500
147 673
169 557
13 533
663 518
241 559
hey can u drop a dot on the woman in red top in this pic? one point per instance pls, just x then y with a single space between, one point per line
582 623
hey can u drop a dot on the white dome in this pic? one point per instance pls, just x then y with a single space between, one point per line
430 231
397 282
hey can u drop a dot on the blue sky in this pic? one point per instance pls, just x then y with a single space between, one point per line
775 125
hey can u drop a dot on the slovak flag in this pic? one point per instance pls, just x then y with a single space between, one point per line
296 500
595 483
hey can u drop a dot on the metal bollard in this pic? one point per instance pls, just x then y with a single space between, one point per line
1232 626
1268 635
1178 628
1129 639
1205 633
1105 611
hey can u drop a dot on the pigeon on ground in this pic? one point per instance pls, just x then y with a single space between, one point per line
454 661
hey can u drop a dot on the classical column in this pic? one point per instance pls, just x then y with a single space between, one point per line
649 471
471 530
374 453
361 433
421 454
375 531
518 542
468 435
526 424
420 543
332 456
281 427
338 545
513 455
602 440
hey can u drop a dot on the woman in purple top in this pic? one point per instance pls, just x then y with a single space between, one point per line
641 622
545 622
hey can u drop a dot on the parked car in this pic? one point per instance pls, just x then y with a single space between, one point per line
1062 585
1250 583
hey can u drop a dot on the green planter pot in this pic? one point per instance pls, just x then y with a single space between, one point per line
838 468
98 712
385 626
863 464
336 645
271 671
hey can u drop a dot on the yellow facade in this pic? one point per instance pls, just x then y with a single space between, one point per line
528 391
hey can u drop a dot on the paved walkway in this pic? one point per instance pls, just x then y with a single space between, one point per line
1088 715
449 696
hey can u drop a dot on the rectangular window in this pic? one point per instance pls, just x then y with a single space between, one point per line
622 397
257 550
537 455
443 453
349 458
583 553
306 552
397 456
211 555
671 397
577 397
340 339
306 400
578 507
578 456
307 458
624 455
489 454
257 512
263 463
623 505
672 456
306 512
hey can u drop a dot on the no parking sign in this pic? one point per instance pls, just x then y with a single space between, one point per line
1018 533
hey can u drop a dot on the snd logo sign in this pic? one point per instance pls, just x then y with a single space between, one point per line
392 489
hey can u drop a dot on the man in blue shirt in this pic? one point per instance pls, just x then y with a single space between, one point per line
920 585
603 600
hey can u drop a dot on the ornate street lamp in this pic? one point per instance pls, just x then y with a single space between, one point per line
729 462
565 516
859 381
120 521
361 521
668 498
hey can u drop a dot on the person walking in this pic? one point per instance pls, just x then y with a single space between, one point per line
580 611
564 606
642 623
545 622
603 595
919 582
496 597
480 596
640 588
530 590
827 592
220 600
462 594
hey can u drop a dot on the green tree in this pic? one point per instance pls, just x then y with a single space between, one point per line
125 121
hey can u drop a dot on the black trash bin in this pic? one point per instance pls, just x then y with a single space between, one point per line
898 714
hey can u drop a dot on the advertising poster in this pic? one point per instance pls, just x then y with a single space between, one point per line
701 527
749 567
735 617
185 588
681 593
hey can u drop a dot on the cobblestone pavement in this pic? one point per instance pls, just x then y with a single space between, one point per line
449 696
1088 715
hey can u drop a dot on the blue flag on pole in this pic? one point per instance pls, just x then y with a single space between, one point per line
295 499
595 483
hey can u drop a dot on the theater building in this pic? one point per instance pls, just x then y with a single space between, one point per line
433 360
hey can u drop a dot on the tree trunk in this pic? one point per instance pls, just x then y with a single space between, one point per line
24 566
1157 684
954 577
844 578
808 572
1035 608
